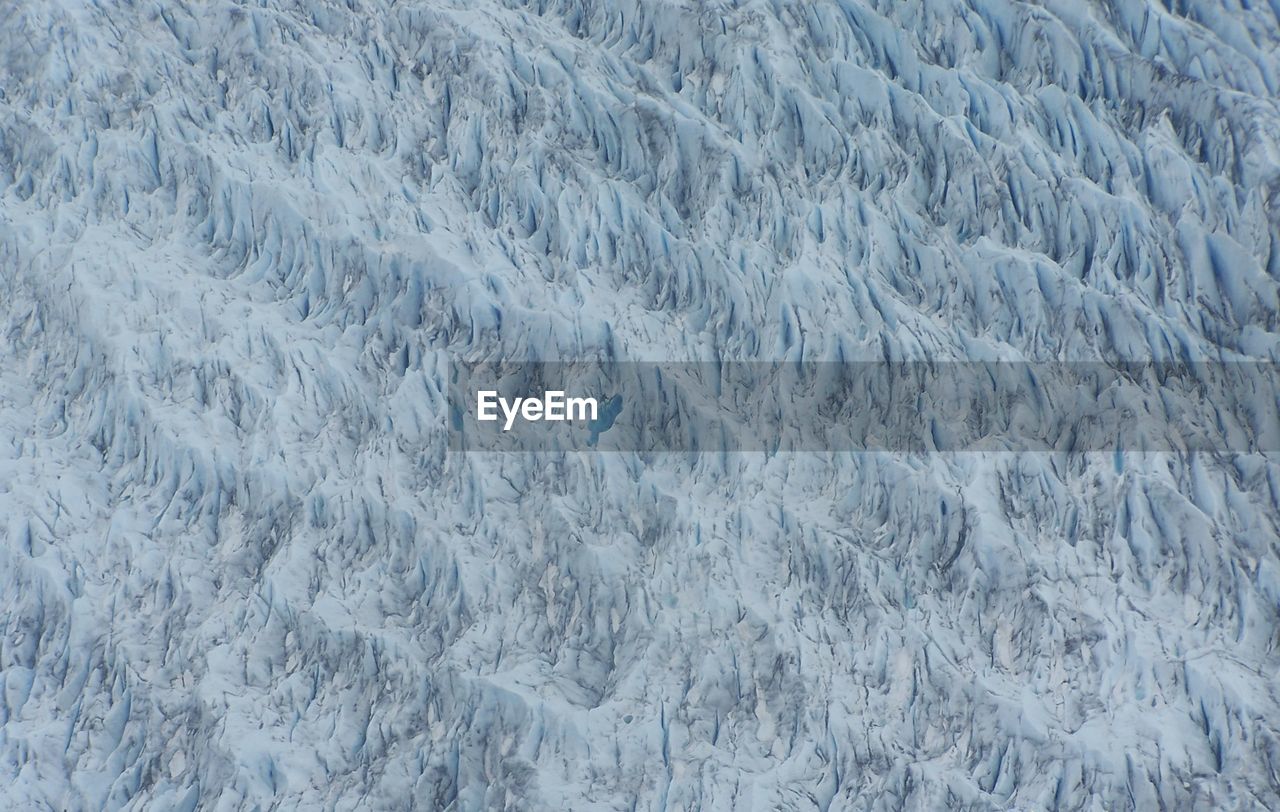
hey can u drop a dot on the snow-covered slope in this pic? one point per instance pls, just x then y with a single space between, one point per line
240 245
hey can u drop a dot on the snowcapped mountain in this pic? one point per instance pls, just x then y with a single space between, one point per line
241 245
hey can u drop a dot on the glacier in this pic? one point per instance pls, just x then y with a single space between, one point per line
242 242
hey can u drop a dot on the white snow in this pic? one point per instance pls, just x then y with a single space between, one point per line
241 242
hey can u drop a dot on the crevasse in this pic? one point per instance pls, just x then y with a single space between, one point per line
240 568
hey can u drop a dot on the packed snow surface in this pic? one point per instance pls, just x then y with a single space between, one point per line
241 245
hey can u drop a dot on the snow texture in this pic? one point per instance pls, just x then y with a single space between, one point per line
240 244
